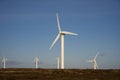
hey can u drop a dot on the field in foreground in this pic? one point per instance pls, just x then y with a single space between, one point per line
54 74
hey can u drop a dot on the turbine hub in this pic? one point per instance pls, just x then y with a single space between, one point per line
62 33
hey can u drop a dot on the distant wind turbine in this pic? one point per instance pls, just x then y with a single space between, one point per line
36 62
58 63
4 62
94 62
61 34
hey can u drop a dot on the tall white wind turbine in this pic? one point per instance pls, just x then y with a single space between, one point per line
36 62
4 62
94 62
61 34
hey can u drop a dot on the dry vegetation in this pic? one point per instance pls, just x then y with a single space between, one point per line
54 74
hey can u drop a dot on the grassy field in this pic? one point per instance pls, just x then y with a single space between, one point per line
54 74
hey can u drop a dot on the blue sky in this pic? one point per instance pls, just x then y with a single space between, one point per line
28 28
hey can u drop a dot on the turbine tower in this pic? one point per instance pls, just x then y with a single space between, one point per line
94 62
36 62
58 63
4 62
61 34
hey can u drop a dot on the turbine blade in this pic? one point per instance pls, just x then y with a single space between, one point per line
96 56
58 23
90 61
55 41
70 33
96 65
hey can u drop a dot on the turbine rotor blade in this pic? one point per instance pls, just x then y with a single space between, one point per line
58 23
70 33
96 56
96 65
90 61
55 41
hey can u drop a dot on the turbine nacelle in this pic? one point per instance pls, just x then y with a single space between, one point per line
36 59
4 60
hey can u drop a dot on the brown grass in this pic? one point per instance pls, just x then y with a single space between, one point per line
55 74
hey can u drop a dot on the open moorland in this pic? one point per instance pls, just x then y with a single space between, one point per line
55 74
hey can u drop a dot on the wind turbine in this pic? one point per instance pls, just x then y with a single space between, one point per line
36 62
58 62
4 62
61 34
94 62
